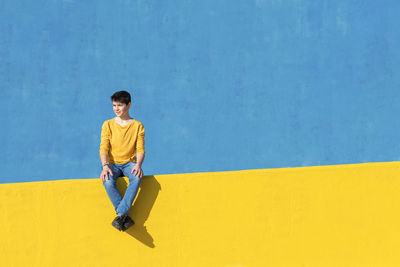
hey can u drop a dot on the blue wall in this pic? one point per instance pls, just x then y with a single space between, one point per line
257 84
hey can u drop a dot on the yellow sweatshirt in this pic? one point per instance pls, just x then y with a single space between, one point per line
121 143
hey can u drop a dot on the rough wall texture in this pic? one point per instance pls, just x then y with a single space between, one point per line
218 85
311 216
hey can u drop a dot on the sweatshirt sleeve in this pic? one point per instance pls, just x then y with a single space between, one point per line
105 139
140 140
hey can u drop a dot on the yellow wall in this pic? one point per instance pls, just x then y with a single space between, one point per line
344 215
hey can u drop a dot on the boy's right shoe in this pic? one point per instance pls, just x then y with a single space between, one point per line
128 222
118 222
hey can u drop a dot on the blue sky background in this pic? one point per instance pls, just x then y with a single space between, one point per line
218 85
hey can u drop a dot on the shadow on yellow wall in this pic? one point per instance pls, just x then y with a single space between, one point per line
345 215
142 207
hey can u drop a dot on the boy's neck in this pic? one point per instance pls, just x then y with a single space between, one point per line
125 118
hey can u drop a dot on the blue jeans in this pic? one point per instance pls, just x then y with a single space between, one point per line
122 205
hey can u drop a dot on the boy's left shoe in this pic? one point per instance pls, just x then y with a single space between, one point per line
128 222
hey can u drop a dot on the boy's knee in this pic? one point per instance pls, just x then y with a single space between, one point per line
134 179
108 182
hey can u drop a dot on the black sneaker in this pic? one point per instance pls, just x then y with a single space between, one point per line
128 222
118 222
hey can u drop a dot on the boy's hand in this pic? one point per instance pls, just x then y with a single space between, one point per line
138 171
105 172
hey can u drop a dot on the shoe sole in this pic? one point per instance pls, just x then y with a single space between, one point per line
116 227
126 227
128 224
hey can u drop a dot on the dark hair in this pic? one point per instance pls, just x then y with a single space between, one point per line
122 97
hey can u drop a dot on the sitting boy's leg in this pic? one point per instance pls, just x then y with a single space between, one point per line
131 191
111 186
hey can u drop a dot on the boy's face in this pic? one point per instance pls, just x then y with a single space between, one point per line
121 109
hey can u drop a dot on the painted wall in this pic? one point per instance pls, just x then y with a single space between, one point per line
313 216
218 86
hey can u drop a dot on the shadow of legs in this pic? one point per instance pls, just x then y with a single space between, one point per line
140 211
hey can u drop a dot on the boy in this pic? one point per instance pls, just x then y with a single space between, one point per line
121 138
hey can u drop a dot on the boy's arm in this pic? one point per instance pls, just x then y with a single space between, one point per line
139 158
137 169
140 146
106 169
104 148
103 158
105 143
